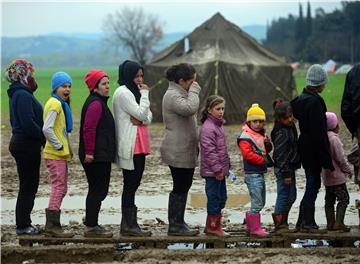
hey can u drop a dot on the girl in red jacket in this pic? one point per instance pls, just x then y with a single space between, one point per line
254 146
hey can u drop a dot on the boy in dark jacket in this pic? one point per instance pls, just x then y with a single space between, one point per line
309 108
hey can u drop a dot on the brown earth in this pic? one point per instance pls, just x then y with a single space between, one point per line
157 180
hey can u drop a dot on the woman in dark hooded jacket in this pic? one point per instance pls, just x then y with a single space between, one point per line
26 118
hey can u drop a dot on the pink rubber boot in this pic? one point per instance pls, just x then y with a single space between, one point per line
255 226
247 221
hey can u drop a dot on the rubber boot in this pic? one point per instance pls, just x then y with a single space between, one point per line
247 222
176 211
129 225
97 232
255 226
309 225
300 219
330 217
340 215
53 227
279 223
286 223
213 226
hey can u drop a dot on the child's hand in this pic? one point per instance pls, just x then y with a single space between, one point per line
267 139
219 176
287 181
135 122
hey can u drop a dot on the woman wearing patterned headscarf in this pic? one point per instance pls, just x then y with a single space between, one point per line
27 139
132 114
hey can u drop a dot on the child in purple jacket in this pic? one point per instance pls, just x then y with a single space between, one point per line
215 162
335 181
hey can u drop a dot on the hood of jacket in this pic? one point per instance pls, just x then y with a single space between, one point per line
16 87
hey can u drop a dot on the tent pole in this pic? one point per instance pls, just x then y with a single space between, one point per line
216 77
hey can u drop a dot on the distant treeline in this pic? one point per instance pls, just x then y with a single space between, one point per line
325 36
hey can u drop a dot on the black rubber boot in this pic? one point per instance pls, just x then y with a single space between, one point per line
53 227
300 220
129 225
309 225
340 215
330 217
176 211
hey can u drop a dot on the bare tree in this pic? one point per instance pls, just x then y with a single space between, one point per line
136 31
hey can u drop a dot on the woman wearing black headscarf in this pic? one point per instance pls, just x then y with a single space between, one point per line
131 107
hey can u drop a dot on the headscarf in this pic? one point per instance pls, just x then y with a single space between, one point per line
21 71
127 72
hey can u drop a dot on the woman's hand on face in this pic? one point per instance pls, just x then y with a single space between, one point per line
143 86
88 158
135 122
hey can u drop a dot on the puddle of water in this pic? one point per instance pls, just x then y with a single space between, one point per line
73 208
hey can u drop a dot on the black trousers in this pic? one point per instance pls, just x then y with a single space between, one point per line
132 180
98 177
27 154
182 179
337 192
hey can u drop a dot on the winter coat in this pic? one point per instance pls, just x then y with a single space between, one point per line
285 155
213 150
342 168
350 104
179 147
254 150
26 113
124 107
309 109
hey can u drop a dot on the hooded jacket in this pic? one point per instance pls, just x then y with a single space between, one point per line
214 155
26 113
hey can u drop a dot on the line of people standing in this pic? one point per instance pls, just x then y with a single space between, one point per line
124 139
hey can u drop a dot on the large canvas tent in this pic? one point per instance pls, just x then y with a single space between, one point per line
229 63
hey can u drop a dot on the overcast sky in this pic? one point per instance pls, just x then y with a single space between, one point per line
29 18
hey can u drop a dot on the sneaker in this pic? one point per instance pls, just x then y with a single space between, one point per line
29 230
97 231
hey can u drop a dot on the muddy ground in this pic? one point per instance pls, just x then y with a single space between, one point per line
156 181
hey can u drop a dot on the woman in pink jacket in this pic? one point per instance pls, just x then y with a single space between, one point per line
215 162
335 181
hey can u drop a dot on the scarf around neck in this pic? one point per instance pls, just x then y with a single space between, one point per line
67 112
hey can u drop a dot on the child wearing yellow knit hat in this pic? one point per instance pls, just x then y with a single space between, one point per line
254 146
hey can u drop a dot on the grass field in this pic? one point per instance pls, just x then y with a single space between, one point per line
332 94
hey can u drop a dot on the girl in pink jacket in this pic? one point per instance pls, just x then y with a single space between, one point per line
335 181
215 162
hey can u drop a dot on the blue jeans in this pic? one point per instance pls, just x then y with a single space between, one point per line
313 183
286 195
216 195
256 186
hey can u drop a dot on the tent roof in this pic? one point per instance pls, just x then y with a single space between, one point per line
217 39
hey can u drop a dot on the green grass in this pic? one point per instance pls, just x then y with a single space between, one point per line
332 94
79 91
